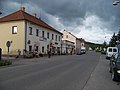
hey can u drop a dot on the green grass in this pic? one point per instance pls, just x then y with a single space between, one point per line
5 62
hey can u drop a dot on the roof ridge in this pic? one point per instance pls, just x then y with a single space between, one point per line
22 15
8 15
40 20
70 33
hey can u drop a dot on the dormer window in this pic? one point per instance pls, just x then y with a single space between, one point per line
14 30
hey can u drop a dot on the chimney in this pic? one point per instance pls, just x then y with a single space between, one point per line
34 14
22 8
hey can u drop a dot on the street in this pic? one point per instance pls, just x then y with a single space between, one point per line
67 72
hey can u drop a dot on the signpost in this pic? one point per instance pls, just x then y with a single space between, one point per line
118 47
8 44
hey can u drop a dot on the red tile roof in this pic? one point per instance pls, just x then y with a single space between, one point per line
22 15
81 39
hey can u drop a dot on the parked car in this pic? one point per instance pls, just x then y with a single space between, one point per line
111 51
115 67
103 52
81 51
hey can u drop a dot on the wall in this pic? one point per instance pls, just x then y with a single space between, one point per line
16 39
38 39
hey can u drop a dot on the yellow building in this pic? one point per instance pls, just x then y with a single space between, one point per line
27 32
69 42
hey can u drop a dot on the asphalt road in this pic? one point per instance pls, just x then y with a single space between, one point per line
71 72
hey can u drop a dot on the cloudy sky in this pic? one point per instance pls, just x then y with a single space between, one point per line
93 20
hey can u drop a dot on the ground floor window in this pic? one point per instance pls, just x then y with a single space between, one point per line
37 47
30 48
43 49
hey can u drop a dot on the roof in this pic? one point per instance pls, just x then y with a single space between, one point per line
81 39
22 15
70 33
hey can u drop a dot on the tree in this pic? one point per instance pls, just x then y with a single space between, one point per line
113 40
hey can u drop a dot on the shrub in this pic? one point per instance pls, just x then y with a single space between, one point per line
5 62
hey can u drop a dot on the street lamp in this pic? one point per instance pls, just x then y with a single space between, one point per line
116 2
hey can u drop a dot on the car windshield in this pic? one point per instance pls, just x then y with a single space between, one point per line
114 50
82 50
110 50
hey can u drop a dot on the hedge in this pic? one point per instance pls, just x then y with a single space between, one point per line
5 62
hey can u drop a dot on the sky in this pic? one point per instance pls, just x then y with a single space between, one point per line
93 20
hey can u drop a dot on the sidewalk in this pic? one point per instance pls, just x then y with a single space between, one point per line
101 78
25 61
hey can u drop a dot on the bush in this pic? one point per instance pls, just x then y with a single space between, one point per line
5 62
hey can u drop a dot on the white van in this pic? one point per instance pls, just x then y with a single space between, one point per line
111 51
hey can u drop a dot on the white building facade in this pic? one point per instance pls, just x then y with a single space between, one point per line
42 39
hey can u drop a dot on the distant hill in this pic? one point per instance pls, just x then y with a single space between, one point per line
90 43
93 45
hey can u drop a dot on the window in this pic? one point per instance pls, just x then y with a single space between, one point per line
37 48
30 48
110 49
66 36
56 37
82 44
52 37
114 50
47 47
43 33
43 49
59 38
14 30
30 30
37 32
62 36
48 35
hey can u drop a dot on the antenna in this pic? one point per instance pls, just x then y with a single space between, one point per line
40 13
21 3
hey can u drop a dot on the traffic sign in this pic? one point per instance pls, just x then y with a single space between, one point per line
8 43
118 46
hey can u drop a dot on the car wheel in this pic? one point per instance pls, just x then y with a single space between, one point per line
114 76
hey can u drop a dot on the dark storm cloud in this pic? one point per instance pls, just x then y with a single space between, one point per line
72 14
1 6
71 10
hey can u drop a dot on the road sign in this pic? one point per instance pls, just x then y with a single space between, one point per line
118 46
8 43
